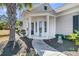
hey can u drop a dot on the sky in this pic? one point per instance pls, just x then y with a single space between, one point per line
56 5
53 5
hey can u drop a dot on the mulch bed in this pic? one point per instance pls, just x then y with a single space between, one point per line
67 47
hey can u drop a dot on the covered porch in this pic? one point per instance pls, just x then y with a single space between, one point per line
41 26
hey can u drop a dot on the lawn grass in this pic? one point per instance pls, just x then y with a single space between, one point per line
4 35
4 32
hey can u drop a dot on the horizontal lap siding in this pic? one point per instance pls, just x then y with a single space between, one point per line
52 27
64 24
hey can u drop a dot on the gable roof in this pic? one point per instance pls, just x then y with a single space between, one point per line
39 8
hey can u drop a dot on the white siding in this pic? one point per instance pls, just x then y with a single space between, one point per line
52 27
64 24
40 8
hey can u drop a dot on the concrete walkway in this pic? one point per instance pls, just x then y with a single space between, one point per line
44 49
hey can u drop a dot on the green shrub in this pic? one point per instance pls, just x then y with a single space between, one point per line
3 25
18 24
74 37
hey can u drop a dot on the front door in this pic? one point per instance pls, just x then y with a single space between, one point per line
40 28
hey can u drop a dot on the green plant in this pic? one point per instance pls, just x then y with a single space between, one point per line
18 23
76 42
3 25
72 36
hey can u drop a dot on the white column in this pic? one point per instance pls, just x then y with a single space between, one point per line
47 26
43 29
37 28
30 26
34 28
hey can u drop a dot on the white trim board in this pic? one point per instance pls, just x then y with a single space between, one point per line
66 6
69 11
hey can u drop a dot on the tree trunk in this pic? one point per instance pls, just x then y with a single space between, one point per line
11 12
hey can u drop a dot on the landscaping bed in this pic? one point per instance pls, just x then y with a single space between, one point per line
67 47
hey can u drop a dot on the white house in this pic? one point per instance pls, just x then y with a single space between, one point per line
43 22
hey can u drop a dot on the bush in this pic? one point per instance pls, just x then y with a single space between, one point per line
74 37
18 23
3 25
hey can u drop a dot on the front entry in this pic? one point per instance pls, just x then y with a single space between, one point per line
39 28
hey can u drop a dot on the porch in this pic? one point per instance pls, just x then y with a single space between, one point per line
41 26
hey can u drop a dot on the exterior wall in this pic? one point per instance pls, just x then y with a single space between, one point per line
52 27
64 24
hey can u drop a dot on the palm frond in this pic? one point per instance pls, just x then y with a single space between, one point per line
2 4
30 6
22 6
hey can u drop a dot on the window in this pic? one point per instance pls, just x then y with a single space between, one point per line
45 26
75 22
36 26
45 7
